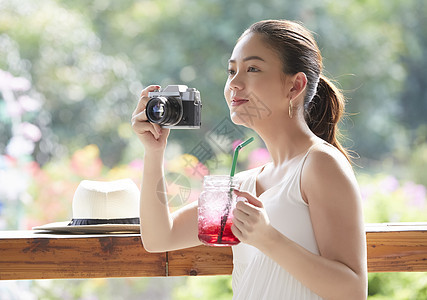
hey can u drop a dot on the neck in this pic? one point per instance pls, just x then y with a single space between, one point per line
286 139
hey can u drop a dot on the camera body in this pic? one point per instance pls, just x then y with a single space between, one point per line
175 106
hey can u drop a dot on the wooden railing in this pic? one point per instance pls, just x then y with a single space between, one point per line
30 255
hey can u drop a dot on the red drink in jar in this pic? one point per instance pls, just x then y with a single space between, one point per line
211 235
215 211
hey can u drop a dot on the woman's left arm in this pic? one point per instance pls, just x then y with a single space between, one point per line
329 187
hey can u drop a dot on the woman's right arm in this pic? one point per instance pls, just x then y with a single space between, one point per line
160 230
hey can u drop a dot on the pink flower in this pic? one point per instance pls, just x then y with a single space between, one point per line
137 164
416 194
199 171
10 83
389 184
258 157
33 168
29 104
30 131
236 143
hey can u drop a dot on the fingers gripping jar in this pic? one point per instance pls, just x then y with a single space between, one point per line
215 211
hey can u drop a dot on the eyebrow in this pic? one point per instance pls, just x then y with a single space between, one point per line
253 57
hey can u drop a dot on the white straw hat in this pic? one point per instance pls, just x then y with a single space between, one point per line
100 206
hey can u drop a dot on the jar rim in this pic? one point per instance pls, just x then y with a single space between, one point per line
217 176
224 180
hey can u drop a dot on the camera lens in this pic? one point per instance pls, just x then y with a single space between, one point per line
164 111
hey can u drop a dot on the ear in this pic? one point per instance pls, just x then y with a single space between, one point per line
299 83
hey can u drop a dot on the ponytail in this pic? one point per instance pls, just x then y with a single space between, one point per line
324 111
298 51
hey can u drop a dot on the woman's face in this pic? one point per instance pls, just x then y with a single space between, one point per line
256 86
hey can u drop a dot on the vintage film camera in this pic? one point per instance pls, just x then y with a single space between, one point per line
176 106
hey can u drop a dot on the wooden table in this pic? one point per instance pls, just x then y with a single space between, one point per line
31 255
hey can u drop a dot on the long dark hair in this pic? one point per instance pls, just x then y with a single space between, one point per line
323 103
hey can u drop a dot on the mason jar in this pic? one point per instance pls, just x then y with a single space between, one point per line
215 211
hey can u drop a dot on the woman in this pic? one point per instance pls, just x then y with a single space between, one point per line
301 227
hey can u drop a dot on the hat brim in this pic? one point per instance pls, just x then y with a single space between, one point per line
61 227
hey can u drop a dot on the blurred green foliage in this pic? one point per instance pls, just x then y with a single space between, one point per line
71 73
88 62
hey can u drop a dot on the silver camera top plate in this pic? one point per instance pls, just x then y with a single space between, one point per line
169 91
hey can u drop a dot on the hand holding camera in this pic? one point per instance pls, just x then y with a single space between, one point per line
176 106
152 136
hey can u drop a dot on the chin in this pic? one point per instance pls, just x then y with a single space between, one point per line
241 119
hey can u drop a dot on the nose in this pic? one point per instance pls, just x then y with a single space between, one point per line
236 82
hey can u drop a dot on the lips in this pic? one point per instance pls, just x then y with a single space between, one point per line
238 101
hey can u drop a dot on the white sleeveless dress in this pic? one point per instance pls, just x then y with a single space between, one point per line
255 275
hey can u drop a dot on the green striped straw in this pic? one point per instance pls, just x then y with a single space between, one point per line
236 154
233 170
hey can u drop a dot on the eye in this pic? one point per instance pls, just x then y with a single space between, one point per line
231 72
253 69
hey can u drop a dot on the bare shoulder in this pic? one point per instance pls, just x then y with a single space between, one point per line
327 170
327 160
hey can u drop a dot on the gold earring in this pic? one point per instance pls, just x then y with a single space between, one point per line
291 109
